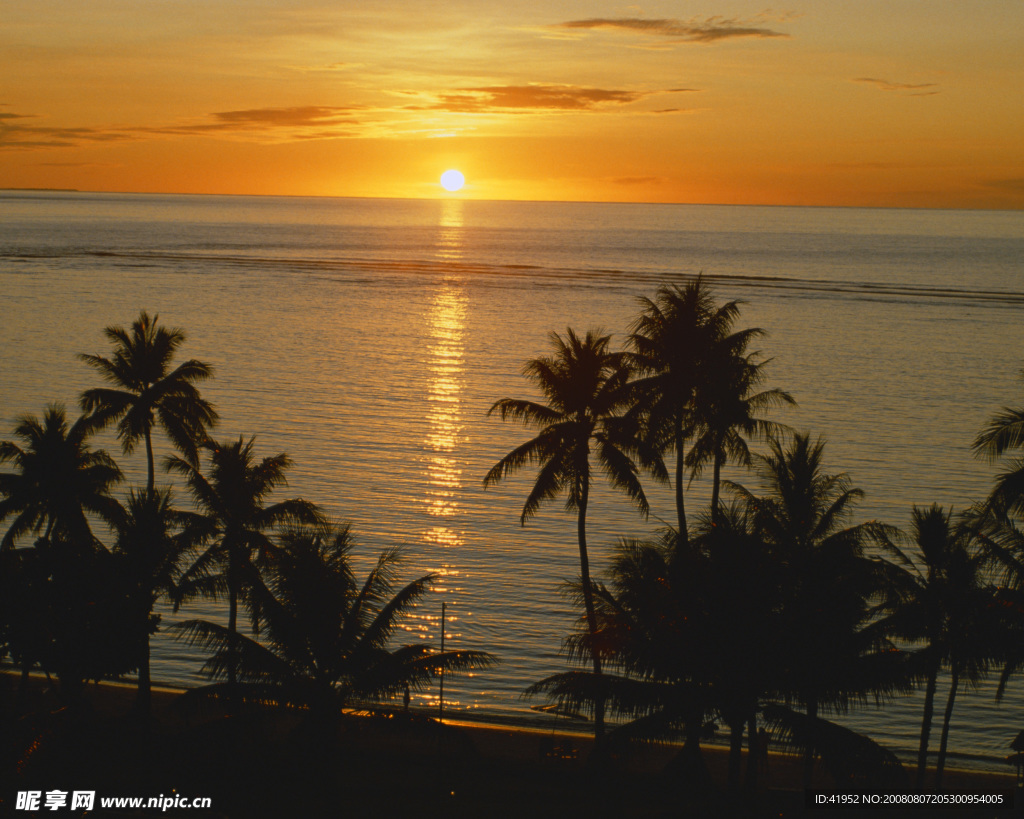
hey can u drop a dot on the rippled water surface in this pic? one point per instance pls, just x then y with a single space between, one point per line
367 338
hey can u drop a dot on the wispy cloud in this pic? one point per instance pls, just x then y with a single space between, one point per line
924 89
322 69
306 122
523 98
283 117
299 123
1012 185
302 123
697 30
18 135
78 164
637 180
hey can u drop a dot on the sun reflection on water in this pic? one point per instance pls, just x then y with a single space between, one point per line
449 237
445 364
442 466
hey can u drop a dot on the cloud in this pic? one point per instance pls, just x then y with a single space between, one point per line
506 98
305 122
707 30
638 180
924 89
77 165
317 69
17 136
295 122
282 117
1013 185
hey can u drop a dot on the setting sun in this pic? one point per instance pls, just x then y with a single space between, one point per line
452 180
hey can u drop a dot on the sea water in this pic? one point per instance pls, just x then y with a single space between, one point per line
368 338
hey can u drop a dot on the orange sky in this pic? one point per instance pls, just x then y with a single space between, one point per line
893 103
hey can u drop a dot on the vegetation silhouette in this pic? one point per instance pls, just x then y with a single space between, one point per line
586 388
726 407
59 479
153 542
944 602
673 342
324 636
834 650
235 520
145 390
769 604
669 623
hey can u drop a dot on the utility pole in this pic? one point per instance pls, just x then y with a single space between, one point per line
440 703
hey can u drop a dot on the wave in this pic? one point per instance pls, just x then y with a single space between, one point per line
524 274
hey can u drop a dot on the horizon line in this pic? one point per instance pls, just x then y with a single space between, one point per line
525 201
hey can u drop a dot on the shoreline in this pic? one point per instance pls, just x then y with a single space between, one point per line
516 743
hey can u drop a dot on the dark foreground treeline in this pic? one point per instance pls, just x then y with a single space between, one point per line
769 608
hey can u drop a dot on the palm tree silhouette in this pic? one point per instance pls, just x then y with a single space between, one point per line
153 540
833 652
689 632
144 390
585 385
1005 433
942 599
650 627
235 519
675 340
59 480
726 405
325 636
59 483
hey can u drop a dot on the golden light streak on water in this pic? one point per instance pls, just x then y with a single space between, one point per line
449 242
446 332
442 467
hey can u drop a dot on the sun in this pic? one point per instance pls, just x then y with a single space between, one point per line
452 180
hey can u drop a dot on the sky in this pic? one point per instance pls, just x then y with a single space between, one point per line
890 103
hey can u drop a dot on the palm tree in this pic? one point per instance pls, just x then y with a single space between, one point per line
673 342
1002 540
152 543
834 651
59 480
688 632
652 629
1005 433
942 600
145 391
726 407
235 519
586 388
325 636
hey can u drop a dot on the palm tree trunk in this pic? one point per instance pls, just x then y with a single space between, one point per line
940 763
688 767
151 481
716 487
588 598
926 723
811 750
753 752
232 620
144 698
680 510
735 752
26 667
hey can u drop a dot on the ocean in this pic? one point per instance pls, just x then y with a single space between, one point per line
367 338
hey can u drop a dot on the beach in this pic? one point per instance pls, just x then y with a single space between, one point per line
257 763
